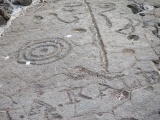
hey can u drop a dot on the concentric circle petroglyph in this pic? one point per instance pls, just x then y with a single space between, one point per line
44 52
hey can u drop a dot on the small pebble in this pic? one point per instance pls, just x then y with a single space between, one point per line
6 58
68 36
28 63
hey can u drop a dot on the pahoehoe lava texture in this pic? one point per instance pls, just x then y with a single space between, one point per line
44 52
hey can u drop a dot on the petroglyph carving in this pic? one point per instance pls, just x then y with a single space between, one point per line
71 6
75 18
40 109
108 7
44 52
75 95
127 27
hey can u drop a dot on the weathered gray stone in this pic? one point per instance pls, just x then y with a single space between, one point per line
74 59
5 103
3 115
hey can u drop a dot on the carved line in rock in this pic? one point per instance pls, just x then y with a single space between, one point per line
83 72
120 92
5 115
68 9
157 64
138 22
108 21
40 108
80 30
151 78
129 118
156 31
108 7
44 52
74 97
126 27
71 6
98 37
89 72
64 21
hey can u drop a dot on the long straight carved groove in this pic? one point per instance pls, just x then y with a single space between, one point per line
99 38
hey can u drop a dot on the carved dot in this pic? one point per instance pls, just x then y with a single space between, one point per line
73 4
99 114
129 119
69 10
135 8
141 14
128 51
125 93
156 6
38 17
60 105
21 116
133 37
107 6
56 115
44 50
159 112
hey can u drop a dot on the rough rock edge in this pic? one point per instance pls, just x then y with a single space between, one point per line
16 12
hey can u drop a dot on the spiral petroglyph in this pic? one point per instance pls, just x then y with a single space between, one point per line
44 52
